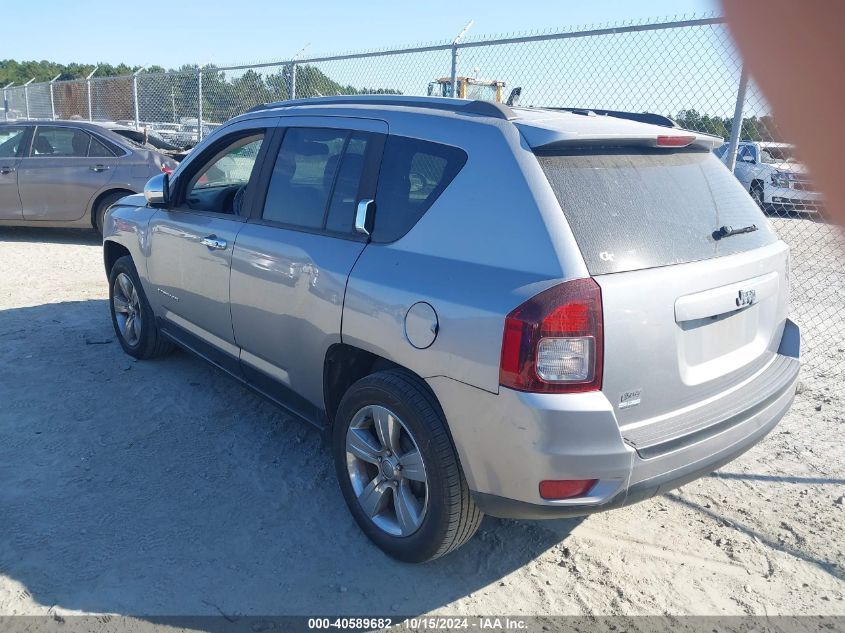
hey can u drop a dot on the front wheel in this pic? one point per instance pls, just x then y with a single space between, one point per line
398 470
132 317
757 195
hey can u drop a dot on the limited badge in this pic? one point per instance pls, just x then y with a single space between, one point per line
630 398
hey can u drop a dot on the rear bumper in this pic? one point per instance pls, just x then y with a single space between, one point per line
509 442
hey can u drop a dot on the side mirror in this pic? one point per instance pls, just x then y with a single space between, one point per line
157 190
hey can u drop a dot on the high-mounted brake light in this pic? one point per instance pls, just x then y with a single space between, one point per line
674 141
553 343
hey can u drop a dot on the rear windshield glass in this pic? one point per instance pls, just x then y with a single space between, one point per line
631 209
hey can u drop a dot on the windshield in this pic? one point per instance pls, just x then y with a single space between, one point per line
777 154
483 93
632 209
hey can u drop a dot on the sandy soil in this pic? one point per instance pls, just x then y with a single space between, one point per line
165 488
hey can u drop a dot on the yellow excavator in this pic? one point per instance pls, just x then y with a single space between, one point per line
472 88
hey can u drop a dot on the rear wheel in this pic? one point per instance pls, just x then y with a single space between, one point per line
132 316
398 470
103 205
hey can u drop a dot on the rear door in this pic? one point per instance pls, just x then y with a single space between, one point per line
13 144
688 312
292 259
65 168
191 242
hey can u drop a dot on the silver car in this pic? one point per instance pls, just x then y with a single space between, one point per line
67 173
517 312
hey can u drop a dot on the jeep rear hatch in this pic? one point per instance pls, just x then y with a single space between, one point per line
693 281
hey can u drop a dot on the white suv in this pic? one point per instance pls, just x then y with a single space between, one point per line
772 175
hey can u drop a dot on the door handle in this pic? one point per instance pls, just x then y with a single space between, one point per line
364 217
6 170
211 241
99 168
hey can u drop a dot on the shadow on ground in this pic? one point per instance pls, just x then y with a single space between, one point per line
165 488
49 236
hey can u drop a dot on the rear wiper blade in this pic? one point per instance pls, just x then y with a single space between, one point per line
727 231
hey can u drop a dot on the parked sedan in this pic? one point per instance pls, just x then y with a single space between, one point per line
67 173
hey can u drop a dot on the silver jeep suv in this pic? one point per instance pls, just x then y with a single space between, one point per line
518 312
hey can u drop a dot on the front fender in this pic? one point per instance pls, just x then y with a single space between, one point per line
127 224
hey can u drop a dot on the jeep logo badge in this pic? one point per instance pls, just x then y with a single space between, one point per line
746 298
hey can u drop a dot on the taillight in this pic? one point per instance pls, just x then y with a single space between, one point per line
553 343
166 169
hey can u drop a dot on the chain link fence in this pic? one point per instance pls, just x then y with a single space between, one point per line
687 70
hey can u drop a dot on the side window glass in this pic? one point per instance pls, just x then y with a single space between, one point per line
98 149
341 216
303 176
219 186
413 175
64 142
10 141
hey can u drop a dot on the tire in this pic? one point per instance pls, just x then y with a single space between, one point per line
128 304
757 196
445 515
102 206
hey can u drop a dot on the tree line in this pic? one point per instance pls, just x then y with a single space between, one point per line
173 94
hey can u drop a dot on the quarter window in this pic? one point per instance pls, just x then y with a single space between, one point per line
98 149
413 175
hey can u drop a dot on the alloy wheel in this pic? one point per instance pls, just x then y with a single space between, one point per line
386 470
127 309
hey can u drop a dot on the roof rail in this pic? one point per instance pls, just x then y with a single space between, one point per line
481 108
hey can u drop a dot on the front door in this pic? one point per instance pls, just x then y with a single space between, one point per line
12 145
293 257
191 243
63 171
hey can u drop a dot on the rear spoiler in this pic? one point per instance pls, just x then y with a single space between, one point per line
681 139
610 130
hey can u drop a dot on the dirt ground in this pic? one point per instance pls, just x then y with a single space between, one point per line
165 488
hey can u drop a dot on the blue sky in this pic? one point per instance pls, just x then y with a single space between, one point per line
186 31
